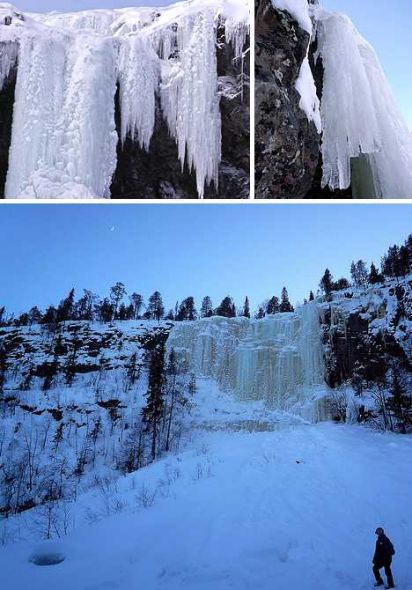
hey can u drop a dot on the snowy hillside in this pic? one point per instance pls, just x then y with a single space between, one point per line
296 506
70 66
246 488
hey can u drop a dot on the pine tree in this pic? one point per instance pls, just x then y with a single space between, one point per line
155 309
105 311
187 310
65 309
137 302
404 266
246 308
35 315
273 305
85 307
285 304
358 272
399 404
153 411
206 310
311 296
117 292
227 308
374 276
326 283
260 313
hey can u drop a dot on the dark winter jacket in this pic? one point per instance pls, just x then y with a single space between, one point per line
384 551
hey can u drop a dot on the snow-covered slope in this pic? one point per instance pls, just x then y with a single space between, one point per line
69 67
295 508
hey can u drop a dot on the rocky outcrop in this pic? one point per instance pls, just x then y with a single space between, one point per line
287 144
368 333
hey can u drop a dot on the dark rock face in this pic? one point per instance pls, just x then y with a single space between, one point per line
6 119
157 174
287 144
356 348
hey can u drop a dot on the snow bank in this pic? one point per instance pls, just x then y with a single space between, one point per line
359 113
64 138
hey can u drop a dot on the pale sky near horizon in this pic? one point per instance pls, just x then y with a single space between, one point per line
180 249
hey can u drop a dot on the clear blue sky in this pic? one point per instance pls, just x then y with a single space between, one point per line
181 250
387 26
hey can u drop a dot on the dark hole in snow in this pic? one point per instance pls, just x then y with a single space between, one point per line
47 558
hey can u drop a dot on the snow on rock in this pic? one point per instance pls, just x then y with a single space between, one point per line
278 359
359 112
309 101
299 9
64 137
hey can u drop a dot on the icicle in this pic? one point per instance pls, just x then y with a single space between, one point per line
139 80
190 101
8 60
359 113
278 359
63 137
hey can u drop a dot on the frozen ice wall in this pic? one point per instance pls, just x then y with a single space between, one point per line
359 113
69 68
278 359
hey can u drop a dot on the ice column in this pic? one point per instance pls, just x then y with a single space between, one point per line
359 113
278 359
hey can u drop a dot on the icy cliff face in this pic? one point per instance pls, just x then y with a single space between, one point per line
359 112
70 66
363 146
278 359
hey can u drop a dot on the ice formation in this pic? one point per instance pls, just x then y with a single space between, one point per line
363 131
278 359
359 112
69 68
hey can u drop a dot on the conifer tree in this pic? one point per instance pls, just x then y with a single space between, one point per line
246 308
311 296
137 303
285 304
117 292
399 404
206 310
374 277
65 309
227 308
155 309
273 305
153 411
326 283
187 310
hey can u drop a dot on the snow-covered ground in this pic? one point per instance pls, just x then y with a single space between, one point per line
256 499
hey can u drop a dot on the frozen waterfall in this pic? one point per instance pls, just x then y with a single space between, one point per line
359 113
278 359
70 65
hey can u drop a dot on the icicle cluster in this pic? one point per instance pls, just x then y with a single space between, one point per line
70 65
359 112
278 359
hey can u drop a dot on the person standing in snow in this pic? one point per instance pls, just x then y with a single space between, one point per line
383 558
